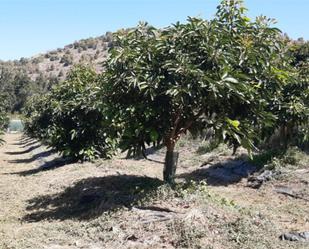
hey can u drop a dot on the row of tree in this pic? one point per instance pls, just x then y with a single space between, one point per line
16 86
236 77
4 120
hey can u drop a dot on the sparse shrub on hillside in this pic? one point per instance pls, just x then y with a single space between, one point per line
76 45
52 55
82 59
54 52
108 37
90 43
97 53
67 59
42 84
53 58
61 74
23 61
37 60
108 40
110 44
51 68
104 46
70 46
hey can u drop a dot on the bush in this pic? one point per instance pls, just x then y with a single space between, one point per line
53 58
38 117
67 59
70 119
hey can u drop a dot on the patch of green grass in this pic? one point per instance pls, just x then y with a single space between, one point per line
207 146
293 156
274 159
250 232
187 141
187 233
261 159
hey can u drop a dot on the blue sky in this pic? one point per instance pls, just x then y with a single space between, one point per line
29 27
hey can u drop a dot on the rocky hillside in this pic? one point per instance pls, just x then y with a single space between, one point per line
22 78
57 63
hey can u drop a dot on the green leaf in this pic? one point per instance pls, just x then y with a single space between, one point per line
231 79
234 123
154 135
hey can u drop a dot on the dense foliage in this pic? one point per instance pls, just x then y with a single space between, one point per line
70 119
3 115
291 104
23 78
296 95
218 74
16 85
237 77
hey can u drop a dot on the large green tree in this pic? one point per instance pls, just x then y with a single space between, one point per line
217 74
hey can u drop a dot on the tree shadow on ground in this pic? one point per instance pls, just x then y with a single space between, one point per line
23 151
34 157
45 166
144 154
90 197
25 140
25 145
223 173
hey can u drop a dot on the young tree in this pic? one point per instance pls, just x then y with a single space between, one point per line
70 119
215 74
292 105
38 116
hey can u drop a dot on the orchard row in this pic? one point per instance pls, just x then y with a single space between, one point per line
239 78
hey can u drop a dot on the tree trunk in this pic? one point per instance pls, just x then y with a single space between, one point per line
170 165
282 139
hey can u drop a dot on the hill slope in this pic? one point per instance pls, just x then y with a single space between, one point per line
22 78
56 63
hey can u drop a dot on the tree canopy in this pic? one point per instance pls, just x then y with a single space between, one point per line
70 119
232 75
218 74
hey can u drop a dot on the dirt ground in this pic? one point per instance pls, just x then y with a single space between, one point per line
46 202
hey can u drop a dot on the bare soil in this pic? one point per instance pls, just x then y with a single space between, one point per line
46 202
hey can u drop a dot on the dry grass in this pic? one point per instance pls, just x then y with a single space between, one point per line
124 204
